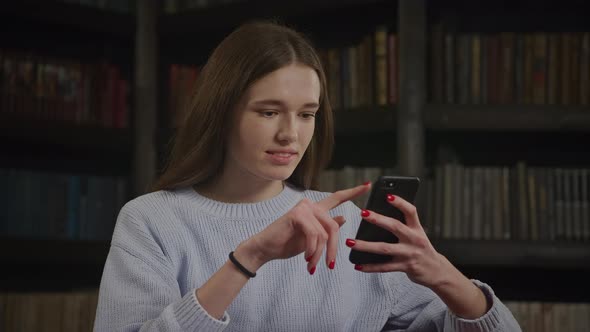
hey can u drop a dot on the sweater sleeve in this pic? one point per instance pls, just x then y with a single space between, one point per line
420 309
138 290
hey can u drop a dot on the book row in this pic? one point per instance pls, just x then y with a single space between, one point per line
53 205
510 68
456 202
181 79
38 88
175 6
123 6
505 68
68 311
512 202
516 202
551 316
363 74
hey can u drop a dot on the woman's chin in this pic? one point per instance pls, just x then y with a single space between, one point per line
278 174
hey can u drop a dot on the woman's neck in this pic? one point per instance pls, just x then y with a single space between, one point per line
240 191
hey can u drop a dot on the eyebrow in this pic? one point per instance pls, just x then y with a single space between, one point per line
276 102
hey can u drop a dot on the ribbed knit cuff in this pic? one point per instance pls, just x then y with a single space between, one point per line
486 323
192 317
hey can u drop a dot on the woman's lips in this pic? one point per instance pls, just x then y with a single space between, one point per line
281 158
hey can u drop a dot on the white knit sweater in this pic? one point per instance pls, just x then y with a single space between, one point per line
168 243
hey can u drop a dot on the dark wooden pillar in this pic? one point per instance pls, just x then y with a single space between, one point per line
412 86
145 92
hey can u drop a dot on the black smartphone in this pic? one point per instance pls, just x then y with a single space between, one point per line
402 186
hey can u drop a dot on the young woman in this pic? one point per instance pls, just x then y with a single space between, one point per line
257 134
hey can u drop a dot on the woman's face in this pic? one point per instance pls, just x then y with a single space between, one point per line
273 124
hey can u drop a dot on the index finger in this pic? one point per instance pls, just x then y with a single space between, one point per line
344 195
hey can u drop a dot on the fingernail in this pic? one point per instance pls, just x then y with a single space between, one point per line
366 183
390 197
358 267
350 242
331 265
308 258
312 270
365 213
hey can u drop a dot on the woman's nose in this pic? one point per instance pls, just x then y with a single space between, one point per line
287 131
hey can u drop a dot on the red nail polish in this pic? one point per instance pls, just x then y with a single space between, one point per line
331 265
350 242
390 197
358 267
307 259
366 183
365 213
312 270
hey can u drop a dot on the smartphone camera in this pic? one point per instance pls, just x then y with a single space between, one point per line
390 184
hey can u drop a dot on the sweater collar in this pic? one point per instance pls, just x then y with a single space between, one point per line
273 207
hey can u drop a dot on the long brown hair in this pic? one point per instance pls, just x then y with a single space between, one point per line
244 56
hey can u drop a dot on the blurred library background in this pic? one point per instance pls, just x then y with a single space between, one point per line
487 101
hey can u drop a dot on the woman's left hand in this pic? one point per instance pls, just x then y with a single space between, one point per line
413 254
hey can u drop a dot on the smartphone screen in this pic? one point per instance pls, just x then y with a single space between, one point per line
405 187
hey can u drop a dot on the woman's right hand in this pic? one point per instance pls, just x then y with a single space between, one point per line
307 227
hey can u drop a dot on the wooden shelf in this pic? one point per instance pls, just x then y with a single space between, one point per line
224 17
491 253
507 118
66 135
482 16
59 265
523 270
51 265
60 13
516 254
52 251
365 121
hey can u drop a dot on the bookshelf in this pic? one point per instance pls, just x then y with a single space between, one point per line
71 15
413 134
515 118
234 13
114 140
33 264
480 134
408 135
67 138
496 104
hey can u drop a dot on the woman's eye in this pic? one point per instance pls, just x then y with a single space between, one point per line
268 114
308 115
